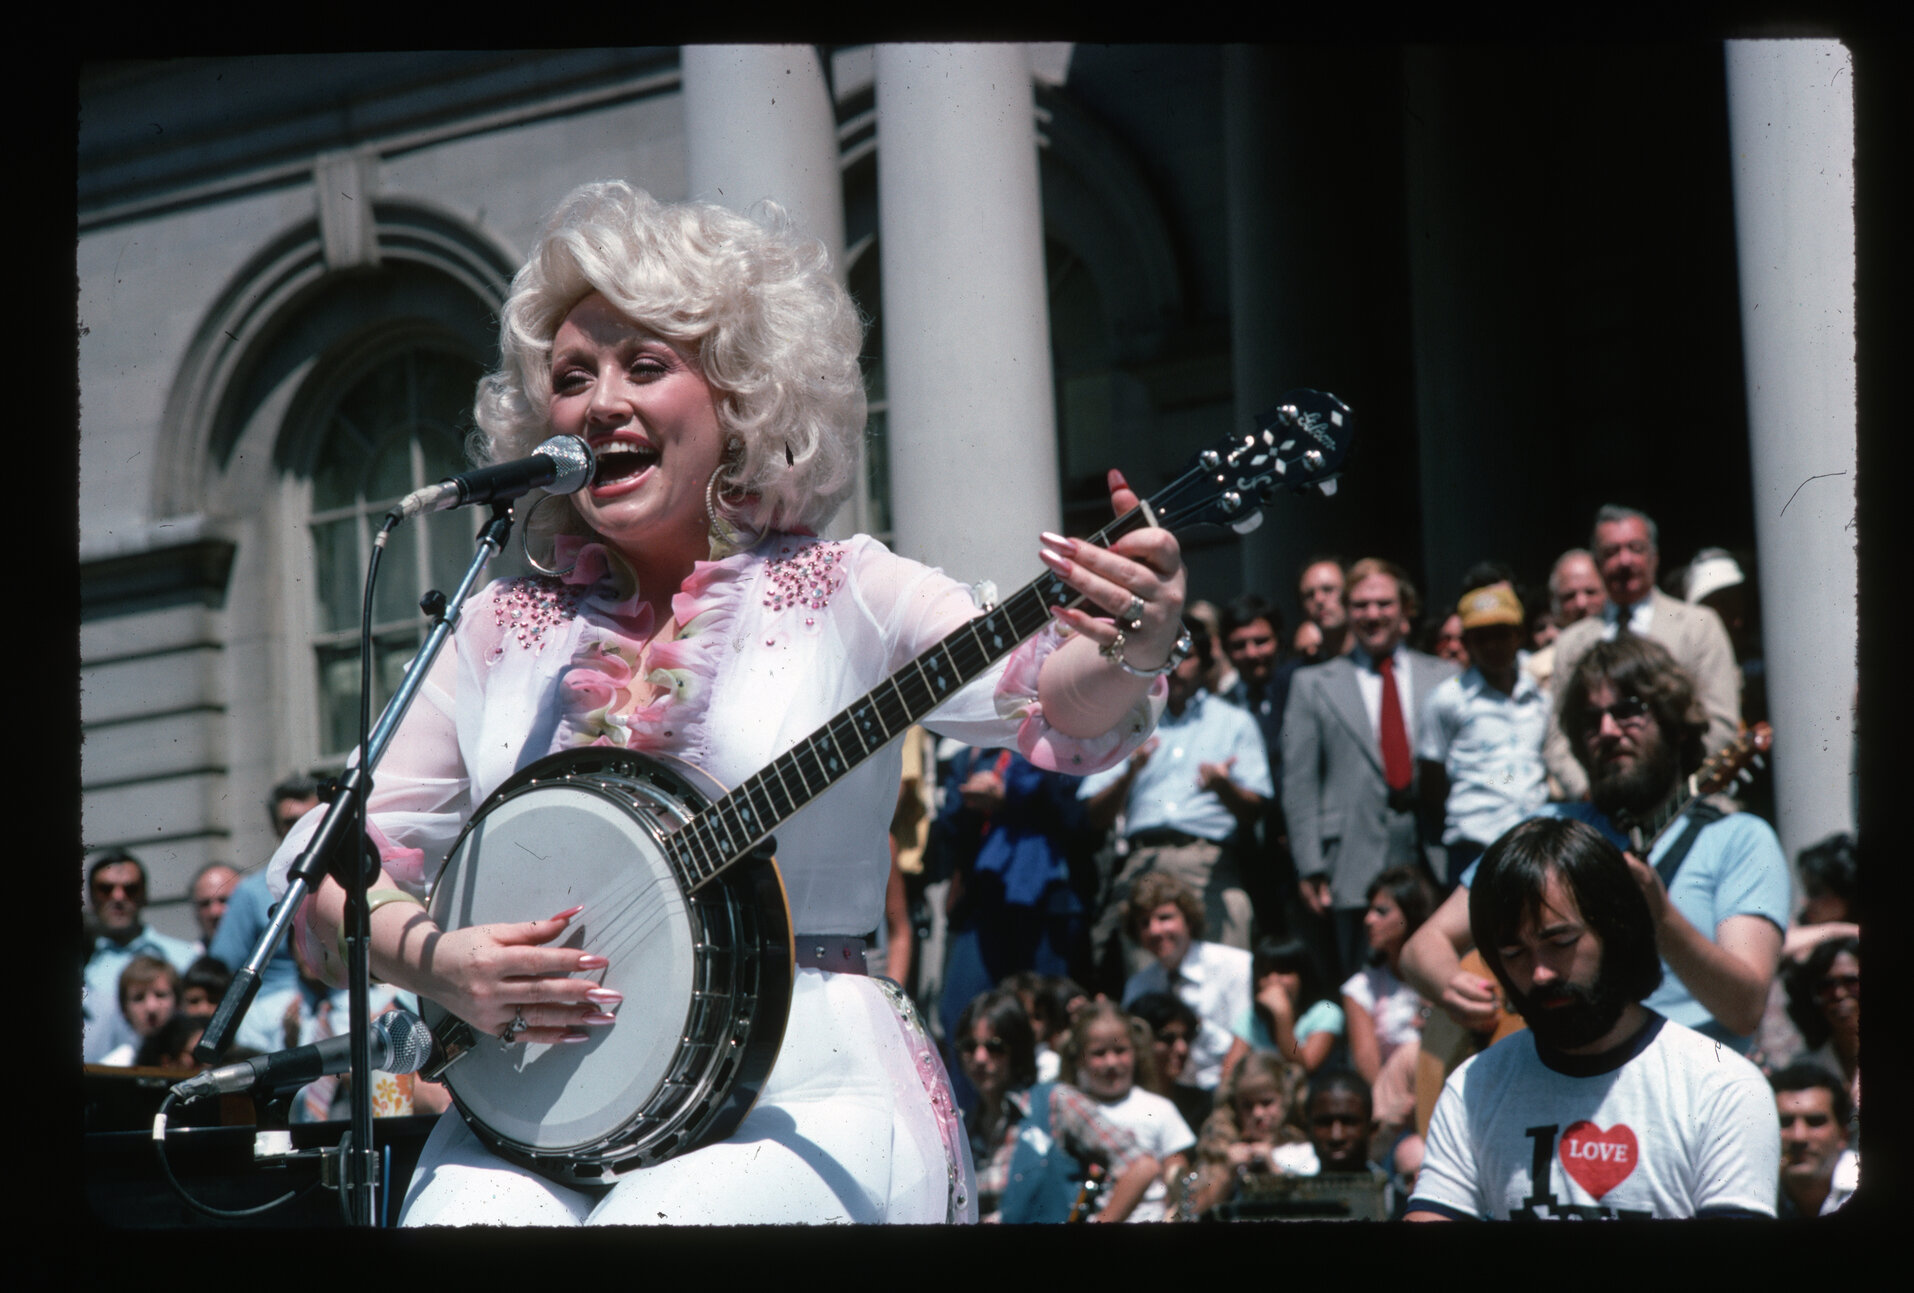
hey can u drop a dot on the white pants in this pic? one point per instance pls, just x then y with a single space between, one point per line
848 1128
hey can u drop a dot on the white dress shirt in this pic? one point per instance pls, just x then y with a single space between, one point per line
1213 980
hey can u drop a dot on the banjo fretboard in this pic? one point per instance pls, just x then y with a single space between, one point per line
730 827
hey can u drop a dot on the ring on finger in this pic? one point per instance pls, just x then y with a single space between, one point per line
1113 649
513 1029
1131 617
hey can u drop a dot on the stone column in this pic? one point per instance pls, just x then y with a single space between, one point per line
1791 132
973 454
759 124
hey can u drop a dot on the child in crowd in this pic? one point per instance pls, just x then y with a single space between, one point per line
149 993
1105 1055
1250 1131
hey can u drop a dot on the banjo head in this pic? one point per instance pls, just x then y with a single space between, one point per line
550 845
706 975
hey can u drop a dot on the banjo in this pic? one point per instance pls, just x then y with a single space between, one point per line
682 894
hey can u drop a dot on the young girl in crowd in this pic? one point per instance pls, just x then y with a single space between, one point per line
1250 1132
1033 1142
1106 1055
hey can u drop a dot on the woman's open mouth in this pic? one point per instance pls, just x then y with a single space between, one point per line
620 466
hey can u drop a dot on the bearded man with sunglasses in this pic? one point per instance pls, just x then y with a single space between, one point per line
1716 883
1626 548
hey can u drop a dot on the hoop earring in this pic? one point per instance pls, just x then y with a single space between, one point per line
525 542
727 536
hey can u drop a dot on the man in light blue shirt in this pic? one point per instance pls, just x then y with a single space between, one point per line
1183 797
116 885
1481 733
1717 886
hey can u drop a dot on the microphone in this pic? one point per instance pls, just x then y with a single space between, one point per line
561 465
400 1043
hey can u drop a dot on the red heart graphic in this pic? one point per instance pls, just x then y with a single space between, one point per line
1598 1160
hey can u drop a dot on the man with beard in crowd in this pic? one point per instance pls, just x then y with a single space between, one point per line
1625 544
1717 885
1602 1107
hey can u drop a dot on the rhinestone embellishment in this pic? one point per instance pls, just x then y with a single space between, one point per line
526 607
806 577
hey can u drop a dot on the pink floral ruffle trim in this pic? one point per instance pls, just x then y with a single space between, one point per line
1043 744
599 683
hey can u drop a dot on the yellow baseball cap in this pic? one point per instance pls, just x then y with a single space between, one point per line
1494 604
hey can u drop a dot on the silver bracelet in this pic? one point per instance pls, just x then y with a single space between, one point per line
1179 652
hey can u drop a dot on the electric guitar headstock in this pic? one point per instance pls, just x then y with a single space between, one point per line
1733 762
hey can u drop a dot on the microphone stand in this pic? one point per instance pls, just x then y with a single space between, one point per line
329 852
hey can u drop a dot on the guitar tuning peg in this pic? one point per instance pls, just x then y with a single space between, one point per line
1313 460
1745 777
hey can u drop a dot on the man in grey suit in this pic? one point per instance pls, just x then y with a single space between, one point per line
1626 552
1349 791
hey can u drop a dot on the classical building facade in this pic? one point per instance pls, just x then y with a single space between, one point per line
1072 257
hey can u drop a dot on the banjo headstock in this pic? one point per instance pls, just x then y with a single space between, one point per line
1298 445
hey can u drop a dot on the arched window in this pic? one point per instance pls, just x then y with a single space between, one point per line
396 425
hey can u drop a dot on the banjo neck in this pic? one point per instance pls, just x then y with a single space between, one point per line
729 828
1298 445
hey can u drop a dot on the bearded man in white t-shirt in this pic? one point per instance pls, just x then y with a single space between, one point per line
1601 1108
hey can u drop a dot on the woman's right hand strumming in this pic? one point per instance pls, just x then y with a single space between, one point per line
495 977
500 977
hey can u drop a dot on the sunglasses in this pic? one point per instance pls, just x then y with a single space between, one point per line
1629 709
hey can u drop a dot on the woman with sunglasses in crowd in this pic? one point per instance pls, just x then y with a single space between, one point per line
1824 1001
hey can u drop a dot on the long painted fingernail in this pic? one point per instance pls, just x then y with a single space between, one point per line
592 961
1055 562
604 996
575 1037
1058 541
567 915
598 1019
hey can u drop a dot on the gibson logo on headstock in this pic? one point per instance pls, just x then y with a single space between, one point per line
1311 424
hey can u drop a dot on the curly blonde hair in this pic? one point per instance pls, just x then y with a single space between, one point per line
1224 1126
748 297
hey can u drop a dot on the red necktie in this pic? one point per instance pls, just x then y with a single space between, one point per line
1396 767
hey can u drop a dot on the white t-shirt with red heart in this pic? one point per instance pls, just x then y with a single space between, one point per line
1669 1124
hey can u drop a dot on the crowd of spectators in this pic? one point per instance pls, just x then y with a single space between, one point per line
147 997
1226 977
1264 923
